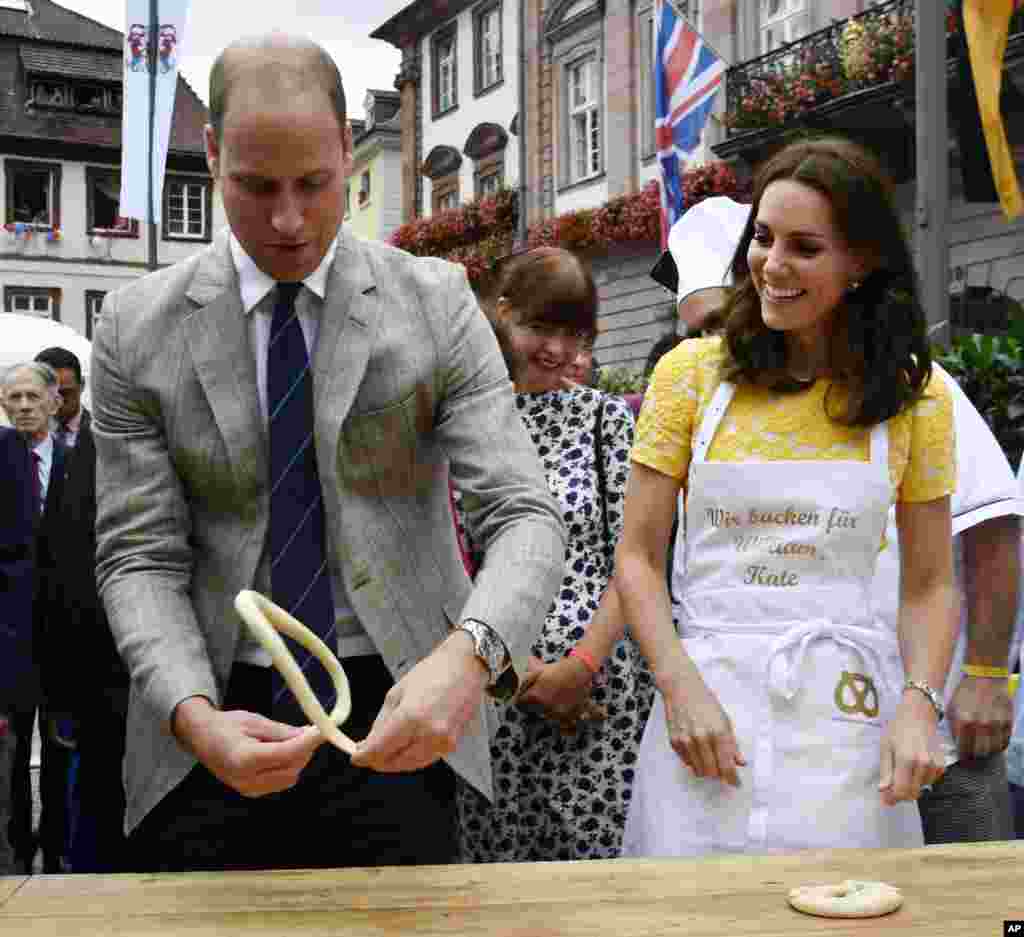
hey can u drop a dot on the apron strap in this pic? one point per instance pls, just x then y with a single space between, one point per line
712 418
880 448
873 645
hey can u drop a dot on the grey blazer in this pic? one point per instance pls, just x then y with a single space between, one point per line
409 384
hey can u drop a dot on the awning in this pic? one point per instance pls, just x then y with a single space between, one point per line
72 63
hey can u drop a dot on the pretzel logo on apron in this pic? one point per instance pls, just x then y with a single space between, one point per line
862 689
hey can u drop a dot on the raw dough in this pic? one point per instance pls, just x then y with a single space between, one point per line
848 899
264 619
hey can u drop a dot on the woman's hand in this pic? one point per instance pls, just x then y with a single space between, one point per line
911 752
561 691
700 731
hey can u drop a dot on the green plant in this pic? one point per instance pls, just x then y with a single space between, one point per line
621 381
877 48
990 369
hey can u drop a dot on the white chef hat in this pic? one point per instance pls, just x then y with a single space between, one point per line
702 243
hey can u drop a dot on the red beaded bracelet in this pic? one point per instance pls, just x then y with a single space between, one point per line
586 659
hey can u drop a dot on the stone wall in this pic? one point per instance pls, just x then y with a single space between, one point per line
635 311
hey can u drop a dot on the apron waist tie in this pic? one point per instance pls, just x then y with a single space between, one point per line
869 643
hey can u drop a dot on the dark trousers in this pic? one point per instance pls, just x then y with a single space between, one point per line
1017 799
53 794
336 815
97 840
969 804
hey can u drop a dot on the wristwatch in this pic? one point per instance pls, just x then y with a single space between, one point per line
491 651
933 697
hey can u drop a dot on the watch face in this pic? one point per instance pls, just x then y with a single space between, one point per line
488 648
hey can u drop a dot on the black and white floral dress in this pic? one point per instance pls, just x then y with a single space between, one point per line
566 797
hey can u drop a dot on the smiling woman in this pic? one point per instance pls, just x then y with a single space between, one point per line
790 437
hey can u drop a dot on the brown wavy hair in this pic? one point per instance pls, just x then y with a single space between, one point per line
878 354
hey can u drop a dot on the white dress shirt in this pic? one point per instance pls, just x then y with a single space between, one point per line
256 289
45 452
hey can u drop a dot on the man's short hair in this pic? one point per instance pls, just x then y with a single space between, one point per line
39 369
59 358
313 65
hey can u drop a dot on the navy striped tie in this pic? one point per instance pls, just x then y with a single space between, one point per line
299 575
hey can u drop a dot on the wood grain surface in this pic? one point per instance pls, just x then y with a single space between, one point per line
948 890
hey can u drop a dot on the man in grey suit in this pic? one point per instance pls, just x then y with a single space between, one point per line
406 386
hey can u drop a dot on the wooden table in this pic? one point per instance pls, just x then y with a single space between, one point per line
949 890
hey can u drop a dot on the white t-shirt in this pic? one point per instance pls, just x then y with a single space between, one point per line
985 488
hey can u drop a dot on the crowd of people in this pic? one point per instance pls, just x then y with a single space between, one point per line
774 611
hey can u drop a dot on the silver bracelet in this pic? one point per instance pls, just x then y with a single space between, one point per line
931 695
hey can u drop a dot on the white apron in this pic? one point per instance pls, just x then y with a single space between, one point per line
776 615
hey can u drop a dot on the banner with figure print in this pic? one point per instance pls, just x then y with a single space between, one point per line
135 146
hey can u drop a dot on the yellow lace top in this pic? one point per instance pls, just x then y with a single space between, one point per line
765 425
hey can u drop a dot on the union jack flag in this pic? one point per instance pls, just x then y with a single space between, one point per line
687 73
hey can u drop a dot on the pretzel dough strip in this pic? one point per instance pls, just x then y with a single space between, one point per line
265 619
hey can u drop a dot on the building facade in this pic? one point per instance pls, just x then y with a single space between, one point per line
373 207
459 88
589 112
64 244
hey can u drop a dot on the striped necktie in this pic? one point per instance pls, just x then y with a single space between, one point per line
299 575
37 480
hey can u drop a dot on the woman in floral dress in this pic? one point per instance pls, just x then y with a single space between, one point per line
564 751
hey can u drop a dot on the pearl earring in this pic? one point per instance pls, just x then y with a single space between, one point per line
854 286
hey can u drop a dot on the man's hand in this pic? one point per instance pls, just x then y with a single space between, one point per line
426 713
246 751
981 716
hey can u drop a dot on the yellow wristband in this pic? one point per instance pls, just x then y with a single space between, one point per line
981 670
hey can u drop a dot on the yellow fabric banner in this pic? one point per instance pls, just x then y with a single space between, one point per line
987 23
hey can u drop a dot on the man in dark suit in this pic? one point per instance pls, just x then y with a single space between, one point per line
71 418
18 683
283 412
30 400
89 680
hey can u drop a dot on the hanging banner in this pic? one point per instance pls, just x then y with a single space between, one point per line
171 16
987 23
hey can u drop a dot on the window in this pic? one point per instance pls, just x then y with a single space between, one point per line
33 193
33 301
445 193
489 173
102 196
65 94
489 184
584 121
445 72
187 209
782 21
364 188
487 47
97 98
49 93
93 305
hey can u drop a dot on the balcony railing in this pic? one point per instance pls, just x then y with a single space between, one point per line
867 50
